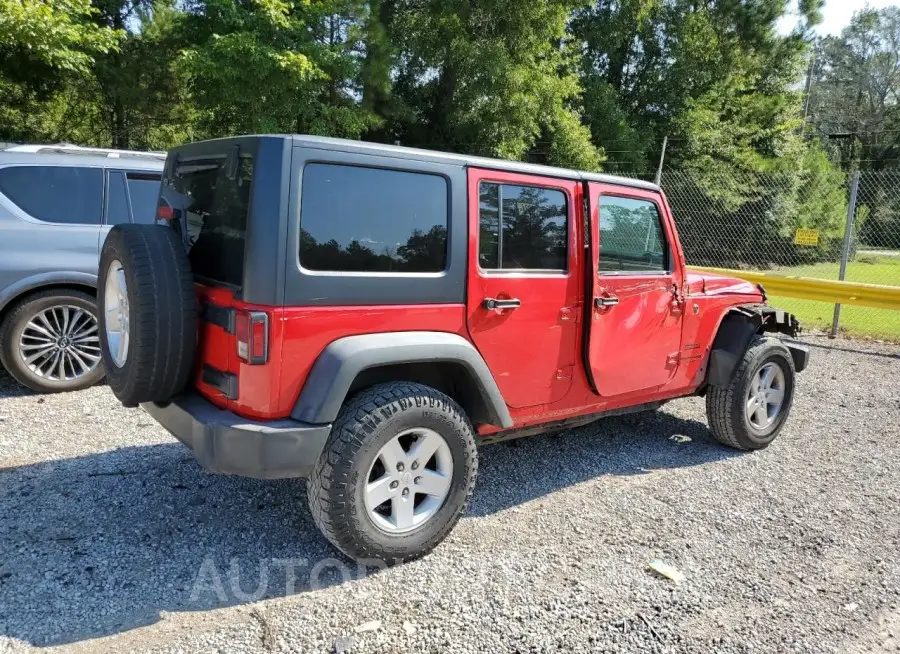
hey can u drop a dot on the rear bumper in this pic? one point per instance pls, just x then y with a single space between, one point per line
229 444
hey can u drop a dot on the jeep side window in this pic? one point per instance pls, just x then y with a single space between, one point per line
631 236
522 228
372 220
55 194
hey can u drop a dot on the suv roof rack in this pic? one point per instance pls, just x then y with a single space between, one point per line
68 148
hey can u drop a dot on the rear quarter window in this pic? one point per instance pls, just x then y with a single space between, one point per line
55 194
372 220
143 190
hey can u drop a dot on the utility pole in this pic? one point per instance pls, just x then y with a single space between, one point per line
809 82
662 160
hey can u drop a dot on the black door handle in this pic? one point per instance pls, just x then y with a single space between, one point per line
491 303
601 302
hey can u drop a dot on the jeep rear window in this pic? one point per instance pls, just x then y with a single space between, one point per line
358 219
215 205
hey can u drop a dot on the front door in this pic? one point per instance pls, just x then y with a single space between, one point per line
635 321
525 277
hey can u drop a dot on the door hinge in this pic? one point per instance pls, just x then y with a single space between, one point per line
673 359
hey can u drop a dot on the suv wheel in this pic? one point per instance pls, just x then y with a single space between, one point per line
50 342
396 473
750 411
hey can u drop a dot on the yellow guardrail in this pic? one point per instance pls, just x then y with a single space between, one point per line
823 290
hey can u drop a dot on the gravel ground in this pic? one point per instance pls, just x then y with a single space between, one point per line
112 539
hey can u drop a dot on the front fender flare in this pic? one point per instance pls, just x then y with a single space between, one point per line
737 329
341 361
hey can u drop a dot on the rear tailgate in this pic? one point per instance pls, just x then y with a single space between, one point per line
217 370
207 198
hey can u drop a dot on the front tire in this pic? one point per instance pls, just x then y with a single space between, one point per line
749 413
396 473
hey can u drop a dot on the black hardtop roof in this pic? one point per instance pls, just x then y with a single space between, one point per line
433 156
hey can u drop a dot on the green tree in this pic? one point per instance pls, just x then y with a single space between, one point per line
653 68
274 66
489 77
45 46
855 89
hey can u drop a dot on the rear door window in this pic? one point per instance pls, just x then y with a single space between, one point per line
214 205
372 220
522 228
55 194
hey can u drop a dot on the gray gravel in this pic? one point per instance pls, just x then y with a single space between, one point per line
111 537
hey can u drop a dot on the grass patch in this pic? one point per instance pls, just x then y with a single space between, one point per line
866 268
857 321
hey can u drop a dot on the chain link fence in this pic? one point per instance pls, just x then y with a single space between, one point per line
797 224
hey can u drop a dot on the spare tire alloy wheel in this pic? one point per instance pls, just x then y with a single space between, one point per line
49 342
148 313
116 310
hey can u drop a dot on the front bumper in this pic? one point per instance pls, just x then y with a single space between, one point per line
799 353
226 443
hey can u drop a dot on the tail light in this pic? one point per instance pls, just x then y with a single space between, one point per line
251 329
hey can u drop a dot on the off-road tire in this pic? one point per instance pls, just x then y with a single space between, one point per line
16 320
363 426
725 405
163 313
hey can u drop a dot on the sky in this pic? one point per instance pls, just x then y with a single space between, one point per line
837 14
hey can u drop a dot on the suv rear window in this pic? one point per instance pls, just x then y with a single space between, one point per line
135 202
358 219
215 208
56 194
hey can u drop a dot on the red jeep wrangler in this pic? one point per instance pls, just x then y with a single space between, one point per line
365 315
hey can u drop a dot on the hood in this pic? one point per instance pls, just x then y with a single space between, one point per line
704 283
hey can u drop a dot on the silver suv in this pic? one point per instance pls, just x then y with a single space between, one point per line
56 205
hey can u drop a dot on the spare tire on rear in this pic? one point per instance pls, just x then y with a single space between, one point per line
148 313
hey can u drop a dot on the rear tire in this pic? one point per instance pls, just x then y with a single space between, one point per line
148 313
734 413
23 331
353 462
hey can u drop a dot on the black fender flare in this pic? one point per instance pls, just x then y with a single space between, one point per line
336 368
738 328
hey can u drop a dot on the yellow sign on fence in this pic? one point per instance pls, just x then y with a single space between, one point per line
806 237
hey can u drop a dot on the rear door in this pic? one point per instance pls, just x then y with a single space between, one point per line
636 318
524 282
55 224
